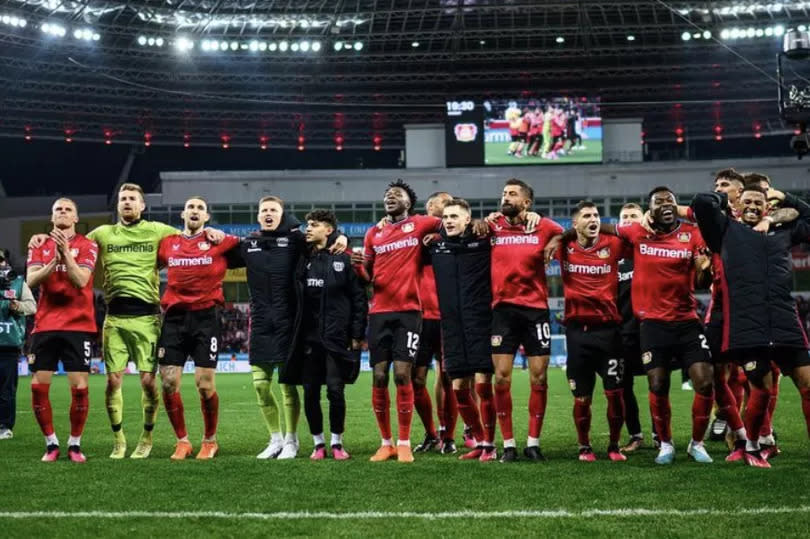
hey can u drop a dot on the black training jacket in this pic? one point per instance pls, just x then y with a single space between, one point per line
624 301
343 312
461 266
273 260
758 309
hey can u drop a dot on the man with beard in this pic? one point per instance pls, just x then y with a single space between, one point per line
520 311
589 267
760 324
393 260
462 272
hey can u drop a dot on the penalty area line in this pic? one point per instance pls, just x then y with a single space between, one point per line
413 515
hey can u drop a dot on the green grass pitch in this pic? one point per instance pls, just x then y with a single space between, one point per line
739 501
495 154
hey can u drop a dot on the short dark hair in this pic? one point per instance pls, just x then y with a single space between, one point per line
581 205
460 202
730 174
659 189
525 187
437 193
755 187
270 198
756 177
408 190
322 216
195 197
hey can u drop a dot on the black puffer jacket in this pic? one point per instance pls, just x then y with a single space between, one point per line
624 301
463 283
759 311
343 312
273 259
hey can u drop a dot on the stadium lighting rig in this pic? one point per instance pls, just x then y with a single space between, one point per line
14 21
752 32
255 45
53 29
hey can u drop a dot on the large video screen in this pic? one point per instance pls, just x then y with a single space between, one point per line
542 131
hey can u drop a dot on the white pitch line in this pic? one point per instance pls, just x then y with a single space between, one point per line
375 515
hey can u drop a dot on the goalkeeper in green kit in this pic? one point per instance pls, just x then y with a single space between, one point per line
128 251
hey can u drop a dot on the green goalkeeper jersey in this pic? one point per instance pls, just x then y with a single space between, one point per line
129 255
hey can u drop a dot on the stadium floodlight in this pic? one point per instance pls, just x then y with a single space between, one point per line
415 44
338 46
272 46
223 45
183 44
283 46
686 36
358 45
262 46
725 34
760 32
253 46
751 32
316 46
802 28
303 23
77 34
769 31
96 37
150 41
294 47
707 34
141 40
159 42
234 45
631 38
560 39
305 46
778 30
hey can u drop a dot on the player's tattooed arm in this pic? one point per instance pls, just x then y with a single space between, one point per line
703 267
340 245
777 216
532 220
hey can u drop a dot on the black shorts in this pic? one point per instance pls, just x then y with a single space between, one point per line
430 343
756 362
73 348
673 345
631 353
323 368
394 336
513 325
515 138
593 350
190 334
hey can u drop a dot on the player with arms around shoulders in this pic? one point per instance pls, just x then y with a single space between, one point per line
65 323
128 251
191 303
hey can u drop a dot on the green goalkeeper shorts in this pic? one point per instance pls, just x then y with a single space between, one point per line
130 338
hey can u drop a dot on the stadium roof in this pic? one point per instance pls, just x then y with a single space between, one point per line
246 73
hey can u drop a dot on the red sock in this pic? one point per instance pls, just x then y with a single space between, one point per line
79 406
421 401
805 392
737 383
615 413
174 408
381 402
42 407
755 411
503 408
210 413
767 423
661 416
701 413
582 420
487 402
405 411
466 407
727 404
450 410
537 409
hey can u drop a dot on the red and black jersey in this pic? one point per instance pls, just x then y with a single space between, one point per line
664 271
62 306
518 268
195 269
394 254
591 280
427 293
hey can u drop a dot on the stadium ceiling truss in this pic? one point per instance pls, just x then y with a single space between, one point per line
200 70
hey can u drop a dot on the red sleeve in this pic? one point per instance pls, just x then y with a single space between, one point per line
629 232
548 229
690 215
698 244
428 224
368 249
35 257
88 254
229 242
624 249
164 245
